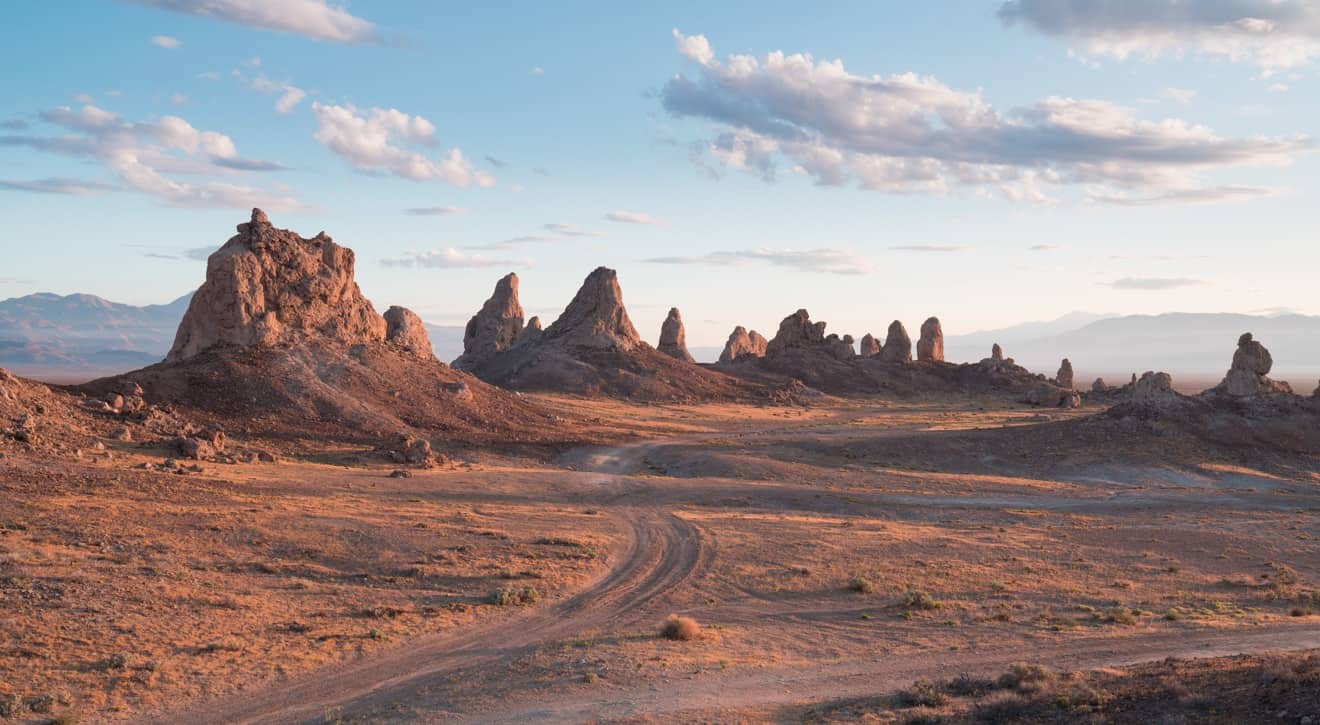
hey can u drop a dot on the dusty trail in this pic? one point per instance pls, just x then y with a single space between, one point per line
659 554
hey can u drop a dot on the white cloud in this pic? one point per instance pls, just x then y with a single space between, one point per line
289 95
179 99
939 248
209 75
1272 34
435 210
1180 95
828 261
448 258
538 71
371 141
58 185
630 217
1210 195
147 156
572 230
1153 284
1277 88
165 41
311 18
908 133
290 99
84 98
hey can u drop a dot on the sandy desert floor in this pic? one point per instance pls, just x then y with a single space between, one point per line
831 555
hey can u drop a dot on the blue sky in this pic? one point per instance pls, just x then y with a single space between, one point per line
989 162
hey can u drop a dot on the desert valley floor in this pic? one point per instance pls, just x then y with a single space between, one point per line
832 554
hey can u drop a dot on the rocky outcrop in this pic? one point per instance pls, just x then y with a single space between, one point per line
1153 388
930 347
1099 386
898 345
405 330
1248 375
996 353
796 331
673 338
268 287
495 327
531 333
1064 378
596 318
840 348
743 344
869 346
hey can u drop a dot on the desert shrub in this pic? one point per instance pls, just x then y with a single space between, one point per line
513 596
1120 615
917 599
922 693
1004 707
965 685
11 705
116 661
861 584
680 628
1020 673
41 703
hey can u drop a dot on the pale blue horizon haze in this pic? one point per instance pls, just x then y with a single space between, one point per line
1036 163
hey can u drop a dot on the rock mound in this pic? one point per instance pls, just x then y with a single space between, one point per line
405 330
1249 372
930 348
495 327
269 286
743 345
869 346
796 332
898 344
673 338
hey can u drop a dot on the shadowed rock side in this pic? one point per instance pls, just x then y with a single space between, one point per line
593 349
743 345
269 286
673 338
930 348
279 341
495 327
898 345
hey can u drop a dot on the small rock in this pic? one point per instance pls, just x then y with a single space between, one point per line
400 474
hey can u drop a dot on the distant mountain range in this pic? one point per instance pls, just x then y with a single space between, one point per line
77 337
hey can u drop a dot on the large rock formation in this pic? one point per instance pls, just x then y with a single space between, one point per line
869 346
1153 388
673 338
1064 378
898 345
495 327
269 286
593 349
596 318
405 330
930 348
795 332
743 344
1249 371
996 353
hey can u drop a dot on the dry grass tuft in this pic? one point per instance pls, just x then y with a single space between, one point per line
680 628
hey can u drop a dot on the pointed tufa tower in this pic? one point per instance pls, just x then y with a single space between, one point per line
495 327
673 338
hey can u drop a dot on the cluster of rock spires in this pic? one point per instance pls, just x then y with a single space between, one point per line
743 345
798 333
268 287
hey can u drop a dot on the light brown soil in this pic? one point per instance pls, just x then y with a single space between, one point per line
836 551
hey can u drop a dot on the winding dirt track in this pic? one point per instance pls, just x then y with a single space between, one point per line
659 553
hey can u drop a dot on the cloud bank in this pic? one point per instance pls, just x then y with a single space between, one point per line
828 261
310 18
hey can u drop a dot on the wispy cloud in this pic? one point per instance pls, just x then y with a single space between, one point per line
829 261
1180 95
374 141
58 185
630 217
940 248
572 230
1149 284
311 18
1042 247
510 242
497 163
165 41
435 210
448 258
1212 195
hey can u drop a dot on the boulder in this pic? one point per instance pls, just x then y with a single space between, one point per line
743 344
930 347
1064 378
869 346
898 345
268 287
405 330
673 339
495 327
796 331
